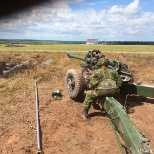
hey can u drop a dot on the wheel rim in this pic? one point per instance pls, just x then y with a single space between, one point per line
71 84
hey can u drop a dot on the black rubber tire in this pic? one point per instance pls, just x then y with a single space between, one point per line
75 83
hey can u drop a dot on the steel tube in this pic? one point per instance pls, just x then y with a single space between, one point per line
37 117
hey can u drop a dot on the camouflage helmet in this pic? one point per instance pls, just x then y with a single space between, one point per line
102 62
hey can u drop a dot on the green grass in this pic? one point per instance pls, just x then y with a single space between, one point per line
80 48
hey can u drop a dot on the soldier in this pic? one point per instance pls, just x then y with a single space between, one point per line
104 82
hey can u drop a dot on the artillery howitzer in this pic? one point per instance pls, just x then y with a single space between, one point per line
77 80
135 141
92 57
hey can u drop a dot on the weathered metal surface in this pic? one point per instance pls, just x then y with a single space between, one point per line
144 90
134 140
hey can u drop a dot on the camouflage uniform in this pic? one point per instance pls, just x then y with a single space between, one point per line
104 83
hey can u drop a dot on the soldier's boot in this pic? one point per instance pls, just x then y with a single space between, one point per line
96 106
85 113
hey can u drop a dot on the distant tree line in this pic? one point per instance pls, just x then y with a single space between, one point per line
128 42
38 42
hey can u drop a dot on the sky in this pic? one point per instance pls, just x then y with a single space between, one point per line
79 20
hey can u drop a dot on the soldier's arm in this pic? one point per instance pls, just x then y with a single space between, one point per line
95 79
118 79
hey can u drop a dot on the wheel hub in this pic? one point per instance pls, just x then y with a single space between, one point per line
71 84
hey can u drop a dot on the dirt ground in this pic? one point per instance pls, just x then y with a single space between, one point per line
63 129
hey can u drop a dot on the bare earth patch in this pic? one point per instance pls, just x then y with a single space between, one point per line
64 131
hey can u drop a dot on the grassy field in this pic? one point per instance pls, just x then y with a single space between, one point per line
79 48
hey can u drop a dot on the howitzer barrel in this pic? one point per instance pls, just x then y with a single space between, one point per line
70 55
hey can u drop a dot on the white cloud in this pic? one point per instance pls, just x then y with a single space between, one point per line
58 21
132 8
